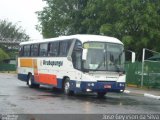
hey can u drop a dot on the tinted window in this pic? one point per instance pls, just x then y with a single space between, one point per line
53 49
43 49
26 50
34 50
77 59
77 55
21 51
64 48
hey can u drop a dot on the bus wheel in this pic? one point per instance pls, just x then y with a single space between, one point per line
101 94
30 82
66 88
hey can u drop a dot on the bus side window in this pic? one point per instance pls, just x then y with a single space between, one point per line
36 46
26 50
34 50
43 49
64 48
77 56
21 51
53 49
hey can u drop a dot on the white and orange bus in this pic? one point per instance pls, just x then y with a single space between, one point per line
76 63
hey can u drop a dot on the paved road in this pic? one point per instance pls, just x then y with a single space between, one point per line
17 98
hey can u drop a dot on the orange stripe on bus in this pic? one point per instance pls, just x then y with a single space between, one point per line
48 79
26 62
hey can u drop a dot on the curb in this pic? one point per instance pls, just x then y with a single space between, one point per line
152 96
143 94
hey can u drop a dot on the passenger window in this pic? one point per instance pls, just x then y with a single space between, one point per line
53 49
21 51
34 50
26 50
64 48
43 49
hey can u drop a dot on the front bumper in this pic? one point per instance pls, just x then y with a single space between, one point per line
98 86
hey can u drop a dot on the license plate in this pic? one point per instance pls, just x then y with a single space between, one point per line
107 86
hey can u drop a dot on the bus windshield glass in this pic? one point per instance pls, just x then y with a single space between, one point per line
104 57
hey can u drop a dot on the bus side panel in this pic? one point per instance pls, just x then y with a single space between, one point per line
26 63
24 68
48 79
59 83
36 76
23 77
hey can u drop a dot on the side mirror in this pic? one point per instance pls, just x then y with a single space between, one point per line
84 54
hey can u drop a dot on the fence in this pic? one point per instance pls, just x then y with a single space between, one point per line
151 74
7 67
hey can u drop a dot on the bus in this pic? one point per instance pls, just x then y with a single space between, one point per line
75 63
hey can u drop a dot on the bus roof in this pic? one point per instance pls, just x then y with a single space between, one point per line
82 38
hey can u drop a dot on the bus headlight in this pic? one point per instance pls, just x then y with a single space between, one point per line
121 85
90 84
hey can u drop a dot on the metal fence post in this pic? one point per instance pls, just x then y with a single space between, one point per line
143 55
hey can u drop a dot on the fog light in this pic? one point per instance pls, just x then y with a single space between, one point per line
88 90
121 90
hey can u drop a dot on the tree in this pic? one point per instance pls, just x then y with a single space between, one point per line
10 32
135 22
61 18
3 55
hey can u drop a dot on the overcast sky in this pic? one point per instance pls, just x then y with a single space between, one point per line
22 13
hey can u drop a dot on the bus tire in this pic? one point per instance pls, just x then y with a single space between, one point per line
101 94
30 82
66 88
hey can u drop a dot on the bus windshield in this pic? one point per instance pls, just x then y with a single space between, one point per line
104 57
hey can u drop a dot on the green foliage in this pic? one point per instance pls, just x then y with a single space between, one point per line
106 29
61 18
3 55
11 31
135 22
127 40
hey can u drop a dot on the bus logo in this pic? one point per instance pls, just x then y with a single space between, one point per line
53 63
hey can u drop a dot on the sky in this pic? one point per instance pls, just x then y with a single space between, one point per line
22 13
